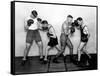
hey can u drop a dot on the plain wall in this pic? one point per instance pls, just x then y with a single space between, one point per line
56 15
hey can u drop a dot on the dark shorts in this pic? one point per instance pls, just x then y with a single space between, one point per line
64 40
53 42
33 35
84 39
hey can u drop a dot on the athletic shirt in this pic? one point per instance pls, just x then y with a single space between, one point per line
53 31
83 35
33 26
68 26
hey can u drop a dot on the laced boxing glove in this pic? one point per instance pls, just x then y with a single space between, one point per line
29 22
72 29
75 23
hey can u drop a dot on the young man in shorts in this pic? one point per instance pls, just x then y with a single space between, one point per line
32 29
67 30
53 40
84 39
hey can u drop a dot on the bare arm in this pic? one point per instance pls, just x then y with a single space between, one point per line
52 31
25 26
86 31
39 26
65 29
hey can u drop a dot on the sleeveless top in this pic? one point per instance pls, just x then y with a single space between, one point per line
33 26
49 31
84 37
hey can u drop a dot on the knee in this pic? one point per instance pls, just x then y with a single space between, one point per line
40 44
79 49
28 45
62 49
63 44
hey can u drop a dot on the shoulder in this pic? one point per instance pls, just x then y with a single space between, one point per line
49 26
64 22
64 25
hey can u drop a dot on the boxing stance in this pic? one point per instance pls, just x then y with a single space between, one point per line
67 30
84 38
32 29
53 41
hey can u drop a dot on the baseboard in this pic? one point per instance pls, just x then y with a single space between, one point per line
54 55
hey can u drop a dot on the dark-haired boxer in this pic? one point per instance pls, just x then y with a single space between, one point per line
66 31
31 27
53 41
84 39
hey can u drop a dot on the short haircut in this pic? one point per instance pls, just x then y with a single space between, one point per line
70 16
34 13
44 22
39 19
79 18
75 23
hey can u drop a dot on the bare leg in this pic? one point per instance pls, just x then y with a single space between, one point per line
40 46
26 51
58 48
79 55
48 48
81 45
86 52
60 51
70 45
63 45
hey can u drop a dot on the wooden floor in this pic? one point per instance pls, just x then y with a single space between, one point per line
35 66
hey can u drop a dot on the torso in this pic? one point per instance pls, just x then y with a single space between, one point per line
51 30
83 35
68 26
33 26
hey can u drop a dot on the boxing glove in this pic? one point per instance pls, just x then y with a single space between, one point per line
72 29
29 22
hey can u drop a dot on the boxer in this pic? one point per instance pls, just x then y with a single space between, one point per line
67 30
31 27
84 38
53 40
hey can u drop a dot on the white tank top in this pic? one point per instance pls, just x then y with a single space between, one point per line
33 26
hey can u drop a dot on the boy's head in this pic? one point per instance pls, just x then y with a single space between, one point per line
69 18
39 20
34 14
80 20
45 25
